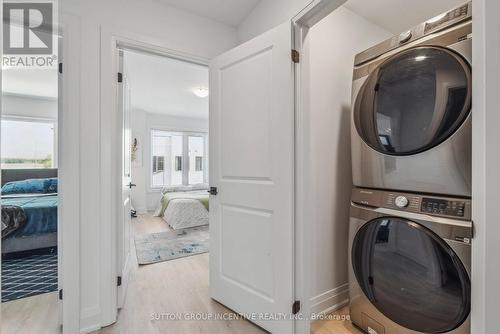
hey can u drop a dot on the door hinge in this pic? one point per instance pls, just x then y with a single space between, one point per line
60 294
60 67
213 191
120 77
296 307
119 281
295 56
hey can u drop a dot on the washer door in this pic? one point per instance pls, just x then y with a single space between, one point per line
411 275
414 100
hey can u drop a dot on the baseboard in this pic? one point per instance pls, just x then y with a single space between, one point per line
331 300
90 320
141 210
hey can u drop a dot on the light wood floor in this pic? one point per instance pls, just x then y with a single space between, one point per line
336 324
36 314
172 287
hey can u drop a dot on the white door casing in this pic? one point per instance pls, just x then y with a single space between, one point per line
124 217
252 164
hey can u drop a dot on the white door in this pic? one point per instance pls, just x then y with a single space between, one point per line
124 225
251 164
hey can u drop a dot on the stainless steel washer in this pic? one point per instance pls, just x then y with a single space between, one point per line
410 258
411 115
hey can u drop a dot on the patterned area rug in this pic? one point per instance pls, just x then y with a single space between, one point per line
28 276
165 246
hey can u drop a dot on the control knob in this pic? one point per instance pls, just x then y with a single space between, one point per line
405 37
401 202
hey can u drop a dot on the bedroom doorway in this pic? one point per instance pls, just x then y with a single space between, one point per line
29 198
166 100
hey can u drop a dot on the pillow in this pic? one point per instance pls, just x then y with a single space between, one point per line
30 186
51 186
183 188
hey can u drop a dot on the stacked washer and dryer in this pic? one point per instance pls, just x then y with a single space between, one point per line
410 225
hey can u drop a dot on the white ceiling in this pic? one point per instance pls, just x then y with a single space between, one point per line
230 12
399 15
165 86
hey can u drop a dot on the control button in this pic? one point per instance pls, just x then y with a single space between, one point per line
405 36
401 202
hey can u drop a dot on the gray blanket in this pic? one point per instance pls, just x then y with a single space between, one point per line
13 218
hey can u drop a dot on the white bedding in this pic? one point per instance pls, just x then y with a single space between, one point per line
184 213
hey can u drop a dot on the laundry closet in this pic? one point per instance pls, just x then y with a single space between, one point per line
426 178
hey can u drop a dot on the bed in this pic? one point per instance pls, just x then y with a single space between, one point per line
35 193
184 209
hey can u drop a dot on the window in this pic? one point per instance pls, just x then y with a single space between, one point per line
178 163
199 164
28 144
196 154
158 164
177 158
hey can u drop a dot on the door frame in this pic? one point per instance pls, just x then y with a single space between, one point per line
110 151
485 166
69 173
302 22
68 167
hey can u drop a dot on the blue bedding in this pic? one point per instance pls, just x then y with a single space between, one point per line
41 213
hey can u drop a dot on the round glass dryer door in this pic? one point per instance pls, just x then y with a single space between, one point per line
411 275
414 100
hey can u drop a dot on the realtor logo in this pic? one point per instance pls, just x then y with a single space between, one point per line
28 28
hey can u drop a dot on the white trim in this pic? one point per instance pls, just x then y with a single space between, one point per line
302 22
110 154
29 119
485 166
69 177
30 96
90 319
69 174
1 111
331 300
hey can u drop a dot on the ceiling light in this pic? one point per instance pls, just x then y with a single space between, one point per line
200 92
420 58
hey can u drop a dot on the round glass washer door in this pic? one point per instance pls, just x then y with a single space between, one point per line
414 100
411 275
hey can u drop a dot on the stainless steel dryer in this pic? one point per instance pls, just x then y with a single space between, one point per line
410 258
411 118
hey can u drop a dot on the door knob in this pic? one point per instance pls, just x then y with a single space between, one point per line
213 191
130 185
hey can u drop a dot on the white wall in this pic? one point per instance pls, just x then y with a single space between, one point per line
29 106
485 167
329 56
143 198
150 22
268 14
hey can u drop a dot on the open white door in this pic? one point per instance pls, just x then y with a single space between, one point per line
251 164
124 215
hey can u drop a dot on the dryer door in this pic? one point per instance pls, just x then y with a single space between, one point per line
411 275
414 100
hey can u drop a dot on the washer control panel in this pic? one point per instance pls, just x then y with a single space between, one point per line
443 207
450 207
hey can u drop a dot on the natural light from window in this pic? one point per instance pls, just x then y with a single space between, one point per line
177 158
27 144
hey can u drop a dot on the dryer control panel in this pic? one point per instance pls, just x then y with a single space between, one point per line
450 207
